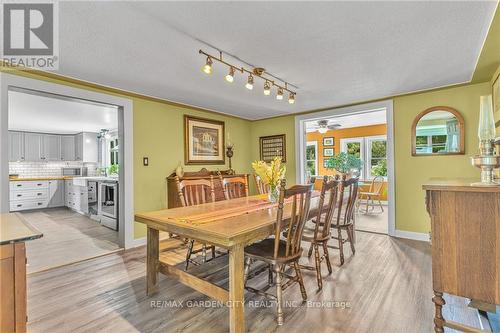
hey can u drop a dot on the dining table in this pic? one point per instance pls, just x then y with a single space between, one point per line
228 224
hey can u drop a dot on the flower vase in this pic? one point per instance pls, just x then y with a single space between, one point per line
273 194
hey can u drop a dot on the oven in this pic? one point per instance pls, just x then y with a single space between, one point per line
107 207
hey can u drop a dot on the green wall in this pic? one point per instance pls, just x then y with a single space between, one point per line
411 172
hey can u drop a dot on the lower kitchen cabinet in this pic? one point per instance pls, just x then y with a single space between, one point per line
56 193
25 195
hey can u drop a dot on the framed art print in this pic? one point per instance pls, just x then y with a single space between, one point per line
272 146
203 141
328 152
330 141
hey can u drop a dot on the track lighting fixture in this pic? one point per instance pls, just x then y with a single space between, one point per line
279 95
270 80
207 69
267 88
249 84
230 76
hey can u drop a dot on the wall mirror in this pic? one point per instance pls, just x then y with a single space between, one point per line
438 131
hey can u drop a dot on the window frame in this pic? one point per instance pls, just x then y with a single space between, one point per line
365 152
315 144
368 163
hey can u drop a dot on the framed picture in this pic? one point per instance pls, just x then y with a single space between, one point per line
325 163
203 141
328 152
272 146
330 141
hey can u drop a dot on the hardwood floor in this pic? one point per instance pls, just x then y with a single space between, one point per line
375 221
387 286
68 237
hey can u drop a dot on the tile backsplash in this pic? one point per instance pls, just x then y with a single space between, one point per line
42 169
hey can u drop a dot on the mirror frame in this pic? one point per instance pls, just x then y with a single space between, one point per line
429 110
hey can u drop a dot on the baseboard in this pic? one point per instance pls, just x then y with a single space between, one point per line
139 242
420 236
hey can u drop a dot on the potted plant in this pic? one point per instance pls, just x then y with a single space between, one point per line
344 163
271 174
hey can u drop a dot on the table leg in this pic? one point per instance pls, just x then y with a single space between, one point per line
236 289
153 253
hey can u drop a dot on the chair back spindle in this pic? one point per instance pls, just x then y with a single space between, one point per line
234 187
195 191
326 208
345 209
262 188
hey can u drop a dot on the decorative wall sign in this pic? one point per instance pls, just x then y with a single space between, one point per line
328 152
203 141
272 146
330 141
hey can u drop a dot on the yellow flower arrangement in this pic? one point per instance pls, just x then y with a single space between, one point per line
271 173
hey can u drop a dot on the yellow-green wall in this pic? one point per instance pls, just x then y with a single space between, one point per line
158 134
411 172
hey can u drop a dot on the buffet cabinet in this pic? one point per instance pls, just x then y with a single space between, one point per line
465 236
173 197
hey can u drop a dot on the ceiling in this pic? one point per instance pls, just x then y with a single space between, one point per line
32 112
336 53
355 120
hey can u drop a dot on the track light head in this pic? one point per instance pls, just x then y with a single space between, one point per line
267 88
230 75
291 98
279 95
249 84
207 68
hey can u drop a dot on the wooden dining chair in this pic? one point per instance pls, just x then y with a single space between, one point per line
344 219
262 188
374 193
318 234
195 192
234 187
283 252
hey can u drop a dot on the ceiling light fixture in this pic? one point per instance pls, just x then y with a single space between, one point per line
255 72
249 84
230 76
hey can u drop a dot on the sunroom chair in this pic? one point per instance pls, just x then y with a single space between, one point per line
373 193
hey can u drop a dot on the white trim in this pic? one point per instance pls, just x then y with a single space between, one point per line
125 105
300 145
139 242
420 236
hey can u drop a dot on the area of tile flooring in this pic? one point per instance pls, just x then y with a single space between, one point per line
68 237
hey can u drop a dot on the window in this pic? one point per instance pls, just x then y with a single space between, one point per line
113 151
431 143
372 151
311 158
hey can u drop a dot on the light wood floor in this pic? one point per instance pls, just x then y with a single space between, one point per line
374 221
68 237
387 285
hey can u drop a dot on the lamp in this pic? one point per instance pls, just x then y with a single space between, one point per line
207 68
229 154
230 76
249 84
486 160
267 88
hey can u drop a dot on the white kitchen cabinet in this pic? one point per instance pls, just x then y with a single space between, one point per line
16 146
56 193
67 147
26 195
51 147
86 147
79 147
33 147
76 197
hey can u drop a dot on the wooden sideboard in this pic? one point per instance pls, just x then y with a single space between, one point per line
172 196
465 235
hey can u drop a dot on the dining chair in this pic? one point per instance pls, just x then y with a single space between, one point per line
344 219
195 192
374 193
280 252
234 187
319 233
262 188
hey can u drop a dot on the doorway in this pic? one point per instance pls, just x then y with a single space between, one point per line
365 133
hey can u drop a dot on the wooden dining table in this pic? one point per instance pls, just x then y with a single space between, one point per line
228 224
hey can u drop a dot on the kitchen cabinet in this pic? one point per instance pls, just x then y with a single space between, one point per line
76 197
25 195
51 144
79 147
56 193
68 148
33 147
86 147
16 146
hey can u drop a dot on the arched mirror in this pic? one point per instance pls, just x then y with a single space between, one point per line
438 131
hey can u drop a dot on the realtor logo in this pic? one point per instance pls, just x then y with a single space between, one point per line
30 35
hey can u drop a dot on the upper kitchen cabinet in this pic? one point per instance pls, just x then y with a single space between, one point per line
51 147
16 146
33 147
86 147
68 148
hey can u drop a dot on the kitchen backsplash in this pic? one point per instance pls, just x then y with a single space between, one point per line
41 169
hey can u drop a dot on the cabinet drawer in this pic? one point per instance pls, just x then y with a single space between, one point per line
39 194
28 185
24 205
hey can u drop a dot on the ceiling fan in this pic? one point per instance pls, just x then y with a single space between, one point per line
324 125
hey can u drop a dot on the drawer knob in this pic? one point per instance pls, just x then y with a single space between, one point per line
40 203
20 205
39 193
19 195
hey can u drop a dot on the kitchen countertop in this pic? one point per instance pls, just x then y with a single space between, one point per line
20 179
14 229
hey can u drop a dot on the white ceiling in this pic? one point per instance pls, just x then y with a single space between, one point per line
30 112
355 120
335 52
